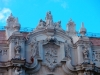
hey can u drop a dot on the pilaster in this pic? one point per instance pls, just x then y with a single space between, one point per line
11 52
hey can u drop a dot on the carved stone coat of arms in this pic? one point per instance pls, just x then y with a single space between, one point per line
51 55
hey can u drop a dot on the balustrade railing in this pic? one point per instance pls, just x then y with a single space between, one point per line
28 29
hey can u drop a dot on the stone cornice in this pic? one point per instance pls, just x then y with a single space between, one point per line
13 37
83 42
85 66
12 63
50 31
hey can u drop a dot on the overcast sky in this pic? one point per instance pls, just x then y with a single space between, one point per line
29 12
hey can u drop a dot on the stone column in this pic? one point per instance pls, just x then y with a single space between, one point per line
11 49
80 54
9 71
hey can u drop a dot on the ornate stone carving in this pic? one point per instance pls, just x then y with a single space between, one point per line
49 21
18 70
17 50
71 26
4 52
50 50
86 53
67 50
11 19
83 30
58 24
34 48
48 16
96 56
41 24
50 55
86 72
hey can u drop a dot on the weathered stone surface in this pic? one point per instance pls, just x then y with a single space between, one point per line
48 50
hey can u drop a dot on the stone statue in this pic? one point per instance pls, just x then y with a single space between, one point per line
18 71
58 24
49 21
41 24
49 16
17 51
86 53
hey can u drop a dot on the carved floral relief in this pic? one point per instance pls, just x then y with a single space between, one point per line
34 48
96 55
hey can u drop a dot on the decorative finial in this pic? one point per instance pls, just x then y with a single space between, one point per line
82 30
71 26
10 18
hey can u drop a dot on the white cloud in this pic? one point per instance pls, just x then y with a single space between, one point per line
62 3
4 13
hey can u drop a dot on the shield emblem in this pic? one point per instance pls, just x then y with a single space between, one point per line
51 55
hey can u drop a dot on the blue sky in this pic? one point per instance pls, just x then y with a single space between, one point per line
29 12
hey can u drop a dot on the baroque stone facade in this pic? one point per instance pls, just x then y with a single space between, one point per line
47 50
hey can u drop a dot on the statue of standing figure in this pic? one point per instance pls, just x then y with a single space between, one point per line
49 20
86 53
49 16
17 51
